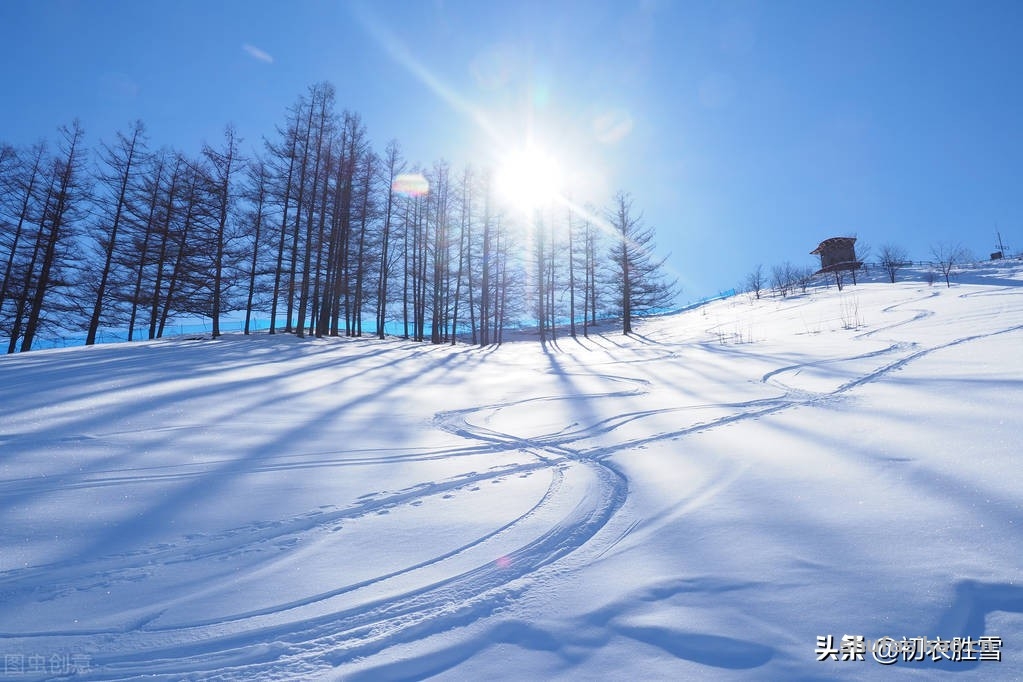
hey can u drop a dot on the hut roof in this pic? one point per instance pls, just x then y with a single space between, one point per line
833 243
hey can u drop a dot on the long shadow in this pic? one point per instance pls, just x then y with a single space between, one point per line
541 551
967 618
94 372
594 338
57 435
575 641
223 476
583 408
611 340
972 278
644 339
170 372
214 479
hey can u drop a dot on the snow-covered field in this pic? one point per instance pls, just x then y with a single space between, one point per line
703 500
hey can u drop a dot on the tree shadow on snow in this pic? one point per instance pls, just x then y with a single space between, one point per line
967 617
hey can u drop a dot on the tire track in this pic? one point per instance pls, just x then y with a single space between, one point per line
237 642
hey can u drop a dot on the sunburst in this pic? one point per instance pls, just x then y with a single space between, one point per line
528 178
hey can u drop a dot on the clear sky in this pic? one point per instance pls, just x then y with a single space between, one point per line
746 131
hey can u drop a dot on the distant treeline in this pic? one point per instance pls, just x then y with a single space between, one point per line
318 232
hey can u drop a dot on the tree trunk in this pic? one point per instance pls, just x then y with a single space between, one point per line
125 175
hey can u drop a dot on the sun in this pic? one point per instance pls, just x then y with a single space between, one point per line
528 178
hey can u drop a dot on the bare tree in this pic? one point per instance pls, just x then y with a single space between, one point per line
553 283
223 165
283 156
394 165
591 266
64 206
642 286
119 161
318 223
348 208
892 259
863 253
803 277
303 135
755 281
255 220
783 278
8 161
571 274
365 210
144 235
183 216
541 265
464 241
318 146
22 178
441 194
948 257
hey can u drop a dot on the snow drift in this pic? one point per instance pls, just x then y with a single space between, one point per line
702 500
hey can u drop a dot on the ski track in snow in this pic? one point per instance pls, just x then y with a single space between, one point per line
734 653
309 635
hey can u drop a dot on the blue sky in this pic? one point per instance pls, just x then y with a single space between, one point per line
745 131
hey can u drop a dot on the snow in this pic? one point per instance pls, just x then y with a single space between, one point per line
701 500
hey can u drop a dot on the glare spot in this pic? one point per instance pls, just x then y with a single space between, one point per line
528 177
494 67
612 126
541 95
411 184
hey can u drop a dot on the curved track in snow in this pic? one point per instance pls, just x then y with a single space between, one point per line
357 619
306 634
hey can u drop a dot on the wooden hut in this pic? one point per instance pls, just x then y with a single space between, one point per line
837 254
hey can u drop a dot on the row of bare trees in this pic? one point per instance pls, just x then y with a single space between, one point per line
134 240
892 259
317 231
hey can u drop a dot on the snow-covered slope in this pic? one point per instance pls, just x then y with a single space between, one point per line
702 500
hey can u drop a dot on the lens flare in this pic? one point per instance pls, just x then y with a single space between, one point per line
411 184
612 126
